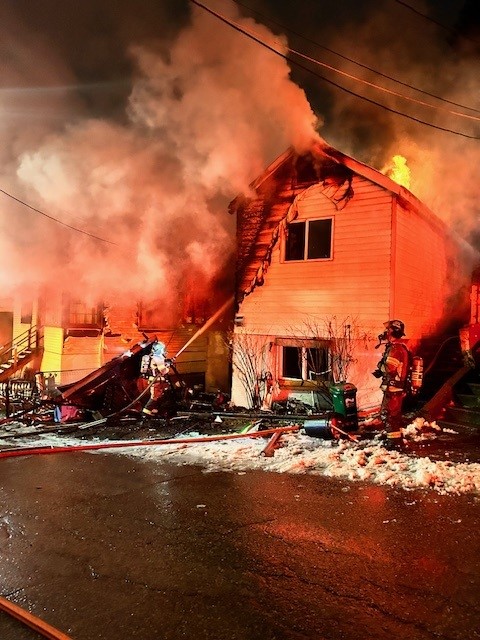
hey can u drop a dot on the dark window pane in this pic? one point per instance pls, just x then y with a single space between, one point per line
295 249
292 362
319 239
317 363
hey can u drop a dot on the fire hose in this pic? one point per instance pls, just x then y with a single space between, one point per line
39 625
26 451
43 628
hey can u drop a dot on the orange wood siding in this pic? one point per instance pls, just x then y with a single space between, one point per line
192 360
81 356
428 270
356 282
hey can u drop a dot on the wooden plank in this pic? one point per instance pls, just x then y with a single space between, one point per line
432 409
273 444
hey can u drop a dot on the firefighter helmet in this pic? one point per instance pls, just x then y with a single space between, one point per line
397 327
159 349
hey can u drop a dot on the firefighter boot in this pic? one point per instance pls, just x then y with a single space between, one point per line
395 442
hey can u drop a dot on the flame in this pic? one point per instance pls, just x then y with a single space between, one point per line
398 171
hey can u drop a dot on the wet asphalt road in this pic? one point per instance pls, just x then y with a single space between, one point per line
103 546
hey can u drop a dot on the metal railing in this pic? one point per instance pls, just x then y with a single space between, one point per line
14 352
18 396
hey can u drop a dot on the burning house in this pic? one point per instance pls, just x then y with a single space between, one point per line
70 342
329 249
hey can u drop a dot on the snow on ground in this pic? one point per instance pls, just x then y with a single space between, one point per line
298 453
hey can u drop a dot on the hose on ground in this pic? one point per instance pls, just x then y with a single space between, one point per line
43 628
26 451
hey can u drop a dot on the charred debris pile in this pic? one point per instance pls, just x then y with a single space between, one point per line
127 395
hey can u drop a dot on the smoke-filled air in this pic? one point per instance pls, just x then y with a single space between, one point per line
128 195
202 119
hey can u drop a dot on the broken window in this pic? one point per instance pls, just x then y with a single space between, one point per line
309 240
82 315
306 363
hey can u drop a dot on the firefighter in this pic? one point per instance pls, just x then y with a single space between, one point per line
156 372
393 368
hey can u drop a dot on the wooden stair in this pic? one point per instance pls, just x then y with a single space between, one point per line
450 394
463 413
19 352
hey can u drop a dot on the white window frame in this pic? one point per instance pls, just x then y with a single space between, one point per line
307 222
306 373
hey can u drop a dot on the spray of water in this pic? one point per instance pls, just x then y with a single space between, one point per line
207 324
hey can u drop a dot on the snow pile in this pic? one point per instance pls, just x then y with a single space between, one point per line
297 453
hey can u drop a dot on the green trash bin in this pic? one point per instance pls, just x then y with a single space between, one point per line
344 396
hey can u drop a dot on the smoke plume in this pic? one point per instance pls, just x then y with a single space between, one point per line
444 63
138 126
204 116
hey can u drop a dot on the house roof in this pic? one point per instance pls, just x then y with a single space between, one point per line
300 171
322 151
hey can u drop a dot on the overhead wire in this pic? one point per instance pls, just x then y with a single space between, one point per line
355 62
64 224
436 22
381 88
328 80
384 89
251 35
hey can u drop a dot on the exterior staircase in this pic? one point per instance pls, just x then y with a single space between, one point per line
462 413
450 394
442 360
19 352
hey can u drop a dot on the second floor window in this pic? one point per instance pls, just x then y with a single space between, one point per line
81 315
309 240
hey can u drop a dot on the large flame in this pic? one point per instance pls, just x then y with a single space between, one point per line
398 171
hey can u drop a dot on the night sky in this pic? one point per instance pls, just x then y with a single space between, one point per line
138 122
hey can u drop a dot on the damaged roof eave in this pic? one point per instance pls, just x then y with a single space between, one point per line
322 150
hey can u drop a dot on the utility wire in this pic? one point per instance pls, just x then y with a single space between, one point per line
380 88
360 64
439 24
25 204
301 66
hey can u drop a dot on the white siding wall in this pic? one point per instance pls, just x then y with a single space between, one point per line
387 262
253 355
355 283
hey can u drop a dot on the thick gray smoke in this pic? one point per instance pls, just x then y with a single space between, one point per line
420 53
202 119
176 113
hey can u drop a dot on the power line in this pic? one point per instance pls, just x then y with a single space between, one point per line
301 66
380 88
360 64
371 84
64 224
439 24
